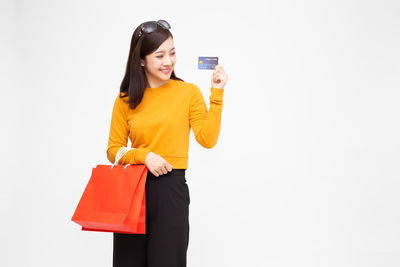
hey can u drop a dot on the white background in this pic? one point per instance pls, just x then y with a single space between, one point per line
306 169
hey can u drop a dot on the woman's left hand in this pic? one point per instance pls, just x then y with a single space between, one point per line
219 77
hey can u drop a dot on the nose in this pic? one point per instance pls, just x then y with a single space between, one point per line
167 61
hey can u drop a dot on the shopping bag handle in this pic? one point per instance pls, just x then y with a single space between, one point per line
121 152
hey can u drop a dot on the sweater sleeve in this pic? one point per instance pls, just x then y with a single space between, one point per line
205 123
118 137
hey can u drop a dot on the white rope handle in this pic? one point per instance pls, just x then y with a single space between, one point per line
121 152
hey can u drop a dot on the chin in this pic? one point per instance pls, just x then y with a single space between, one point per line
165 77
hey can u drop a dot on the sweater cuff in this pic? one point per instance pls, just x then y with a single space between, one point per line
140 156
216 96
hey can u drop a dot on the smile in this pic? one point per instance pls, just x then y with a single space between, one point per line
165 71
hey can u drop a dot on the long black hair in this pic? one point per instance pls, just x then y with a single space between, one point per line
135 81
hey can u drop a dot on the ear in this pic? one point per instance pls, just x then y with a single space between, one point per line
142 63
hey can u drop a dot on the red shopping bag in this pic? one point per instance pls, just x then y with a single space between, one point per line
114 200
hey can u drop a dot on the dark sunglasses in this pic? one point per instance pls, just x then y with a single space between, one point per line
151 26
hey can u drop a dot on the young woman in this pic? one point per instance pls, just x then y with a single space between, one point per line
156 110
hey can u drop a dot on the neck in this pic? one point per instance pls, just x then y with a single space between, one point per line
155 84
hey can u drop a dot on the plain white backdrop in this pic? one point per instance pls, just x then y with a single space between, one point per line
306 169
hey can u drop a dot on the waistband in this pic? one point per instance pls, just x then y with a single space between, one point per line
174 172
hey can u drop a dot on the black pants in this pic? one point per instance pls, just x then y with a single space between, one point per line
167 226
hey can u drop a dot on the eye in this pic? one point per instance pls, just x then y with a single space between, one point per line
162 56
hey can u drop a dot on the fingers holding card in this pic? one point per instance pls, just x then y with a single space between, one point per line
219 77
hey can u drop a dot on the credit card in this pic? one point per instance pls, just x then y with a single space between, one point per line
207 63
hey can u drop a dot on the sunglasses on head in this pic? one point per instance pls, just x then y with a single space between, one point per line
151 26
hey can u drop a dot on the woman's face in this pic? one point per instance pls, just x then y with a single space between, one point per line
159 65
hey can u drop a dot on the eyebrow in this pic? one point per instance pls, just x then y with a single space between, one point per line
164 50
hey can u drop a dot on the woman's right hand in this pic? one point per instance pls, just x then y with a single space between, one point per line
157 164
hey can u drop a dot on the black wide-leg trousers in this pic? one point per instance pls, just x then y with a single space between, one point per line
167 226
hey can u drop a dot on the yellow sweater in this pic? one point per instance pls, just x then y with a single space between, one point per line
161 123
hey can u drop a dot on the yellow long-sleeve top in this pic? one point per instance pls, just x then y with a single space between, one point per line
161 123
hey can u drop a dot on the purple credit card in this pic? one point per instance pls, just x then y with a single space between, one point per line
207 63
